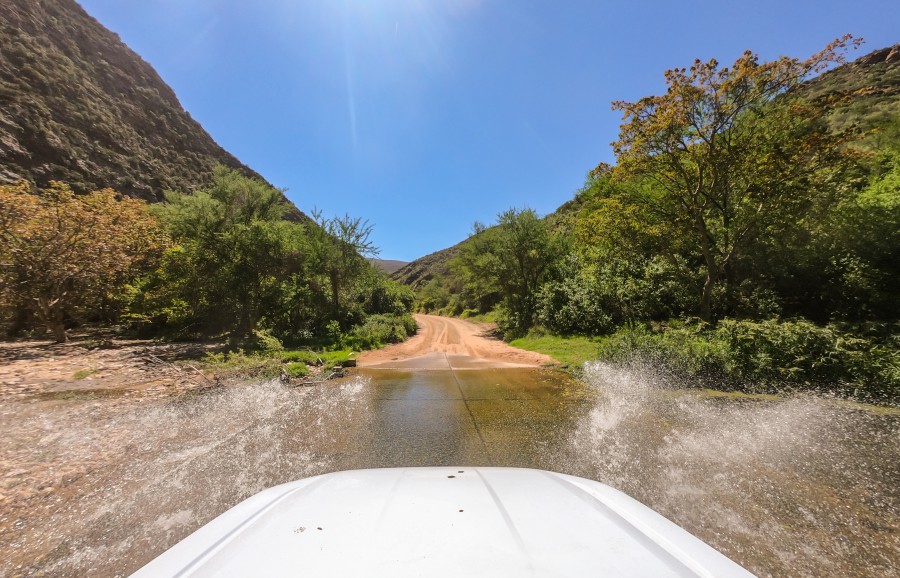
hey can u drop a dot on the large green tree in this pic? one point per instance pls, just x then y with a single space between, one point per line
339 247
730 155
510 260
234 253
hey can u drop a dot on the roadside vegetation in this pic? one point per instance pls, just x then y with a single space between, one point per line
227 263
744 239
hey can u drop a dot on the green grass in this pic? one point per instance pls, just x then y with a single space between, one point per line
301 355
238 363
296 369
489 317
81 374
269 364
572 352
341 357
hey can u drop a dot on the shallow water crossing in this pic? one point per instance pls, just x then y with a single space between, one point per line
802 486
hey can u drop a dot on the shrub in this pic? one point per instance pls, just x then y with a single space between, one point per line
573 306
379 330
770 354
242 364
391 297
264 342
333 330
297 369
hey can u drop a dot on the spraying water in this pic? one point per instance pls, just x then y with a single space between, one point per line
803 486
128 481
800 486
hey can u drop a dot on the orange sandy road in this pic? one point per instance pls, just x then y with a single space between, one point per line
451 343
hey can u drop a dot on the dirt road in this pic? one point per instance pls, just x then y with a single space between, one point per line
450 343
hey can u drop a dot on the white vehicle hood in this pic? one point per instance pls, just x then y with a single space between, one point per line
441 522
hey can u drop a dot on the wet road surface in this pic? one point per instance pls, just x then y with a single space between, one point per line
799 487
494 417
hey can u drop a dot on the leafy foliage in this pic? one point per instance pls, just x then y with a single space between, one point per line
239 268
507 264
379 330
296 369
730 154
337 248
64 256
770 354
742 196
233 254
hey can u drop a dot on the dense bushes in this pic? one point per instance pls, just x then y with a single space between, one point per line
224 262
380 330
575 306
505 266
769 355
238 268
66 258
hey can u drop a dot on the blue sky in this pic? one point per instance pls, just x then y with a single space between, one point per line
424 116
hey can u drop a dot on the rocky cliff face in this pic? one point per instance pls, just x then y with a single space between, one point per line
77 105
891 55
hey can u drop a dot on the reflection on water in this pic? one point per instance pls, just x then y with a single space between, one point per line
802 486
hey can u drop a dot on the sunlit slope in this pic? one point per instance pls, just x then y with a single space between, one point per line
77 105
870 91
424 269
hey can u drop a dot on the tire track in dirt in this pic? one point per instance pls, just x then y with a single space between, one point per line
462 342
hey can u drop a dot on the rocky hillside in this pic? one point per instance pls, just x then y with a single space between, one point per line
870 89
387 266
77 105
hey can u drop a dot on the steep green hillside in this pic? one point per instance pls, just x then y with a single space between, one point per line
424 269
77 105
870 87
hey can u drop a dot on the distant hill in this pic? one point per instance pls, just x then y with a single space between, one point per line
424 269
77 105
870 87
387 265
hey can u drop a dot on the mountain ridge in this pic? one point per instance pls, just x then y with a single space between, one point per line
387 266
78 105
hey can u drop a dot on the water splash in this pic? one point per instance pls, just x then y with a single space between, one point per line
802 486
187 461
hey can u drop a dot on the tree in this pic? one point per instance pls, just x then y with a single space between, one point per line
729 152
234 254
512 259
61 254
339 249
